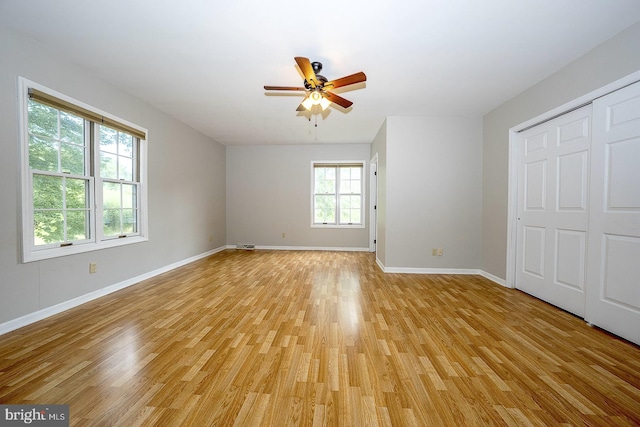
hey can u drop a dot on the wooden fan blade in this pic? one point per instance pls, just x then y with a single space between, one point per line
345 81
283 88
307 70
344 103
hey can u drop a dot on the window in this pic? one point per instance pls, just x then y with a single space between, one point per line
82 177
119 184
337 199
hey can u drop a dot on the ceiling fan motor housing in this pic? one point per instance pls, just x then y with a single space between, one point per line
321 80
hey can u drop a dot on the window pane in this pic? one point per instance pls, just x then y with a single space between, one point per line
324 209
125 168
108 165
71 128
125 145
356 180
76 195
330 173
345 186
77 225
43 154
129 196
43 120
325 180
345 202
111 195
327 173
324 216
72 159
129 224
325 187
328 201
350 216
108 140
48 227
350 180
47 127
47 192
350 209
111 222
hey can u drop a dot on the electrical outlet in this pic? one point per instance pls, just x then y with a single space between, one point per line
434 252
439 251
93 268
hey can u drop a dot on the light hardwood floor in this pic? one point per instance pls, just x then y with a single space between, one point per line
320 338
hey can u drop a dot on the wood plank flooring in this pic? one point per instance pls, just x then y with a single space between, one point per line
315 339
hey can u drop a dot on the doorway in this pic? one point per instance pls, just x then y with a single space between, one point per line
373 203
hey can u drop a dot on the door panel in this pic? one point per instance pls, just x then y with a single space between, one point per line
553 191
571 258
572 179
613 272
534 249
535 176
623 162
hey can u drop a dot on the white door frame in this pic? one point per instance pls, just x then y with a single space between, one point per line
512 183
373 201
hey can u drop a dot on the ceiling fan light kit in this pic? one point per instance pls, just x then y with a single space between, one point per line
317 86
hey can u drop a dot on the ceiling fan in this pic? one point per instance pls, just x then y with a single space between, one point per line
317 86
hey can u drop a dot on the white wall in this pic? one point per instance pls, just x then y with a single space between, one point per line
433 192
612 60
269 193
186 193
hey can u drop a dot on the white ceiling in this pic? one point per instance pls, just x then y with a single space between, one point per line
205 62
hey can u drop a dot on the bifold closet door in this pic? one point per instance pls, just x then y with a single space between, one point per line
553 162
613 273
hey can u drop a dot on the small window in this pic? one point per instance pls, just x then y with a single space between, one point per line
82 180
337 194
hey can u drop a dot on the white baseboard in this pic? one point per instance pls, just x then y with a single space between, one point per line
36 316
467 271
407 270
496 279
305 248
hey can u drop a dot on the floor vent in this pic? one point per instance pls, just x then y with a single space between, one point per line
246 247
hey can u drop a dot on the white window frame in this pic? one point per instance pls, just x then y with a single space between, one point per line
96 241
337 163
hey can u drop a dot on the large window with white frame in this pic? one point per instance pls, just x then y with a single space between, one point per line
337 194
83 176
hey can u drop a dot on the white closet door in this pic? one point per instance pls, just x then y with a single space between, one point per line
552 210
613 274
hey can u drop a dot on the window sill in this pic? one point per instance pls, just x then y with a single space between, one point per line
337 226
39 255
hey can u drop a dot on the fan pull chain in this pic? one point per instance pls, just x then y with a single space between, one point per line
316 127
